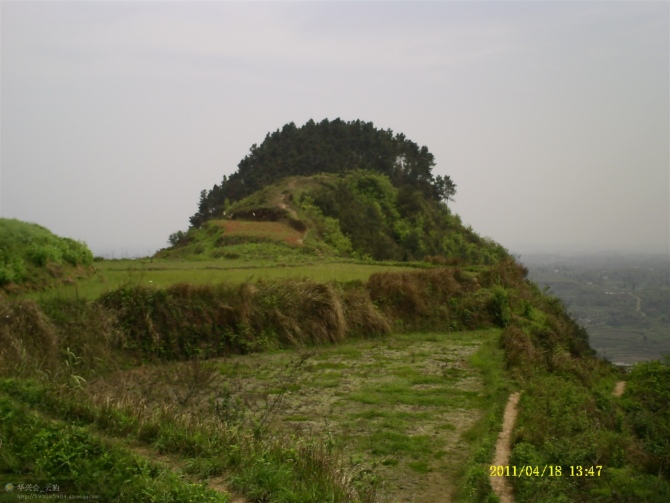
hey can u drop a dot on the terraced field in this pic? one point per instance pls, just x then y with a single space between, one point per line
626 345
111 274
276 231
404 409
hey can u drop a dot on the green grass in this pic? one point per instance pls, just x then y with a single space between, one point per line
53 454
33 257
261 465
112 274
386 403
286 430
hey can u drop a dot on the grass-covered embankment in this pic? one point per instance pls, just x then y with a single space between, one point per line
111 275
31 257
64 459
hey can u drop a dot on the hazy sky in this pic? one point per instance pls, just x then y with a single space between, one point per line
551 117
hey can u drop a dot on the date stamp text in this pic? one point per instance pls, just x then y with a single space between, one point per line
544 471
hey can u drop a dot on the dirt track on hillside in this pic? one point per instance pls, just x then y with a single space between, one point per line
500 485
619 389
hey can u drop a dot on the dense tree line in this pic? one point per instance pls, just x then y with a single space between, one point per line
385 222
328 147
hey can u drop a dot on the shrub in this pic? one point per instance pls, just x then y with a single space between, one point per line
42 254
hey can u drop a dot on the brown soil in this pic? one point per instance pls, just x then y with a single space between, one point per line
619 389
500 485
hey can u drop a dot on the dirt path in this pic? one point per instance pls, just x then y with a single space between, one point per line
619 389
500 485
637 303
283 205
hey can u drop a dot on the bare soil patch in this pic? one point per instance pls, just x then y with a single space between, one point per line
619 389
279 231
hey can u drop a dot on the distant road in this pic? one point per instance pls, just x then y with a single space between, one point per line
637 305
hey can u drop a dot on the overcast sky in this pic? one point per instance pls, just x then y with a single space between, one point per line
552 118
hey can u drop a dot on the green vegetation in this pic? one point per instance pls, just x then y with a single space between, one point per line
327 147
84 464
409 383
112 275
352 190
358 214
51 342
33 257
266 355
647 400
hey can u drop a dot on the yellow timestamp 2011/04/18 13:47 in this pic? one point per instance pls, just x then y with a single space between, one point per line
544 471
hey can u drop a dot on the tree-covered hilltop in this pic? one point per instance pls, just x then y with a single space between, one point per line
328 147
361 192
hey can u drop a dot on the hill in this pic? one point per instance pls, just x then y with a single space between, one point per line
31 257
357 214
351 189
327 147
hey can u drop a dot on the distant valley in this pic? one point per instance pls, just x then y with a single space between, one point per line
623 301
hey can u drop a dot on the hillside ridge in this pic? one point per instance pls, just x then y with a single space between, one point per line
357 214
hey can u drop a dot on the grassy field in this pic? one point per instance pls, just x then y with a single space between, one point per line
111 274
402 413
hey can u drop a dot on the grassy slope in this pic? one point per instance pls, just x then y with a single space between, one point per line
50 456
390 390
33 258
75 360
266 225
402 410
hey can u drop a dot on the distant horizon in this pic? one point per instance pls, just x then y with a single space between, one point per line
123 252
552 118
139 252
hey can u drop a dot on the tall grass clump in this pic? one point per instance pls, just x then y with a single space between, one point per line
270 466
434 299
185 321
29 340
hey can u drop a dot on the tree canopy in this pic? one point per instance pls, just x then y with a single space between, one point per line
327 147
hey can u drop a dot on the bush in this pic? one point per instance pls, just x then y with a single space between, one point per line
42 254
649 414
28 250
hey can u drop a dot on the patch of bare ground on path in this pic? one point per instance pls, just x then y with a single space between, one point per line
619 389
501 485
